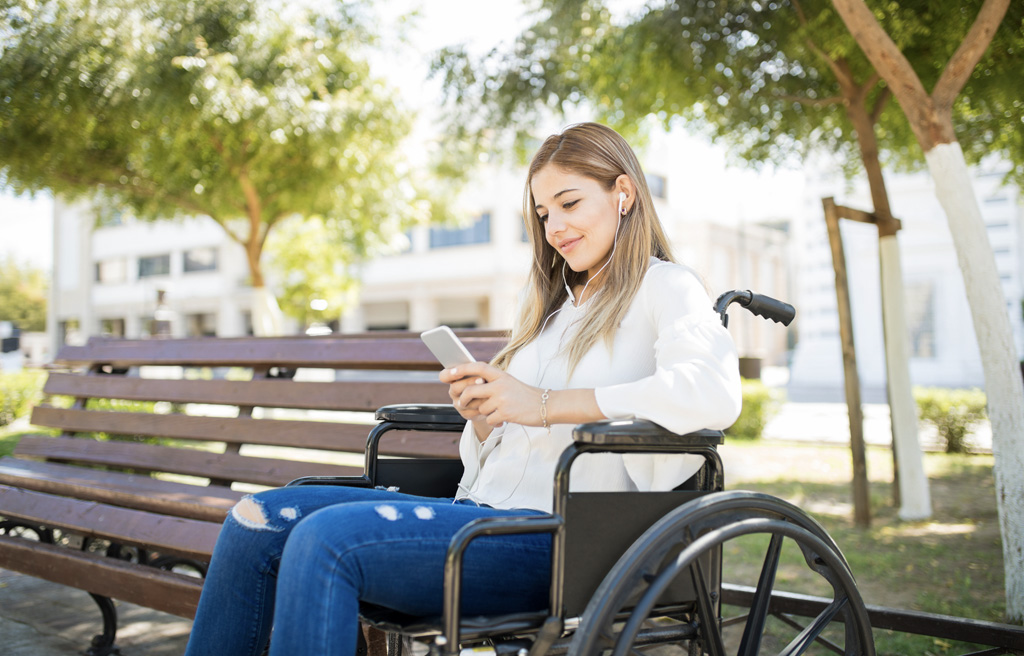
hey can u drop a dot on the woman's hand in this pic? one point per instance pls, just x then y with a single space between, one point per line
483 393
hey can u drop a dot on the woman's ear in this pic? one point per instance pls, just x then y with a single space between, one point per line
624 185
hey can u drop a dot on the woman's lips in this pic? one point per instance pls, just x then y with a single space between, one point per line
568 244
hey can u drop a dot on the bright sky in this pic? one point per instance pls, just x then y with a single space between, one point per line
708 185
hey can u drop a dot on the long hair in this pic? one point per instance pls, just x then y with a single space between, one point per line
599 153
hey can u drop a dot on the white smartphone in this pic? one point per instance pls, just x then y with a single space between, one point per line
446 347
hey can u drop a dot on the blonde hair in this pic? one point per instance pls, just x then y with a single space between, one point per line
599 153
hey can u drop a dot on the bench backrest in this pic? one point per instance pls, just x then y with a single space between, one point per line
259 411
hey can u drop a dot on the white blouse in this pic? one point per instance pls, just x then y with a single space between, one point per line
672 363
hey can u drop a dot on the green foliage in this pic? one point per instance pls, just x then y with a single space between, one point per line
760 403
23 294
761 77
953 412
18 393
313 267
248 111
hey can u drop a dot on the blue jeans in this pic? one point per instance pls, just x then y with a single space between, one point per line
300 559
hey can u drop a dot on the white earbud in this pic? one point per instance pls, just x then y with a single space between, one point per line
622 199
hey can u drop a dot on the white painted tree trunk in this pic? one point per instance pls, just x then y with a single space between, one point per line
1003 384
915 498
267 318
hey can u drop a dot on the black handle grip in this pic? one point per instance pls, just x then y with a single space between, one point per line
770 308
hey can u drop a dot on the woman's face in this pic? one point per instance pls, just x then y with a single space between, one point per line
579 216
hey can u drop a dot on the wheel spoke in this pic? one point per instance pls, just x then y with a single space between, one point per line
750 645
707 612
814 629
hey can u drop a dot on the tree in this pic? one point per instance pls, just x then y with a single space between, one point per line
23 292
247 111
931 117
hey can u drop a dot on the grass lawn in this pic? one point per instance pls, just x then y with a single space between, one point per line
951 564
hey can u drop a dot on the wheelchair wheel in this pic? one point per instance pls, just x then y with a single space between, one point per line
629 611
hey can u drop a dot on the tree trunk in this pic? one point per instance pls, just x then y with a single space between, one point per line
915 498
910 482
1003 384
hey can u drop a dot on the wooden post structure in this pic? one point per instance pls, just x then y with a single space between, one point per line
861 498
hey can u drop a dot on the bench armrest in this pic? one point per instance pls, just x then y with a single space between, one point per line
421 413
642 433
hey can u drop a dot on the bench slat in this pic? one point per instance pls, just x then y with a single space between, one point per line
137 491
326 435
407 353
365 396
148 457
167 592
172 535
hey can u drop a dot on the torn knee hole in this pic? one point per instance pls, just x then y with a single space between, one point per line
251 513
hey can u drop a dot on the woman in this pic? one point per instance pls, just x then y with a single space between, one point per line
609 327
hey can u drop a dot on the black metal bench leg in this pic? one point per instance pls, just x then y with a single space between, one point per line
103 644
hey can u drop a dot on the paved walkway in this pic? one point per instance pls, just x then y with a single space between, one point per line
38 618
830 423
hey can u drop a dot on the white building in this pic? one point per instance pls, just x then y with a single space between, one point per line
107 278
943 345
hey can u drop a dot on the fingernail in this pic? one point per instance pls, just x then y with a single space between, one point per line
453 371
479 381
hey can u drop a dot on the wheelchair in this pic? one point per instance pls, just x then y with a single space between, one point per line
630 571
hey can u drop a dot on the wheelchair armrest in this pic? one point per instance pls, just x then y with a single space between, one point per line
641 433
421 413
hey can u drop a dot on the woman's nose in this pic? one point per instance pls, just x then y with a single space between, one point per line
554 224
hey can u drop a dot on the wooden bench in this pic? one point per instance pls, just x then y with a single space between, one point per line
160 438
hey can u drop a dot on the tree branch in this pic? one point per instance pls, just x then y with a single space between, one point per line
883 54
931 126
840 76
880 102
960 66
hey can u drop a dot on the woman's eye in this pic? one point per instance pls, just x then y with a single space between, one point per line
568 205
543 218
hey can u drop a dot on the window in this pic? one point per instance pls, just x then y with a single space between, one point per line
921 319
154 265
656 183
200 259
111 271
524 234
112 327
478 232
201 325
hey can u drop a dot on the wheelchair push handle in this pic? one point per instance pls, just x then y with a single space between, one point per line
758 304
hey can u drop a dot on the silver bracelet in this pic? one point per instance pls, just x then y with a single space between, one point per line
544 409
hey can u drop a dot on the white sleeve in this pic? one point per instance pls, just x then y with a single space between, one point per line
696 382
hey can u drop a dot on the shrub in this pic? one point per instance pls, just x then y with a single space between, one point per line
19 391
953 412
760 403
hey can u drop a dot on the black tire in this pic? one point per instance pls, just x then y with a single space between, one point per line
688 543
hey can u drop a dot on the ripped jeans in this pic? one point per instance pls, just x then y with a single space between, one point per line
300 559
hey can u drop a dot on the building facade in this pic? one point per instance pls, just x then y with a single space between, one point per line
943 345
